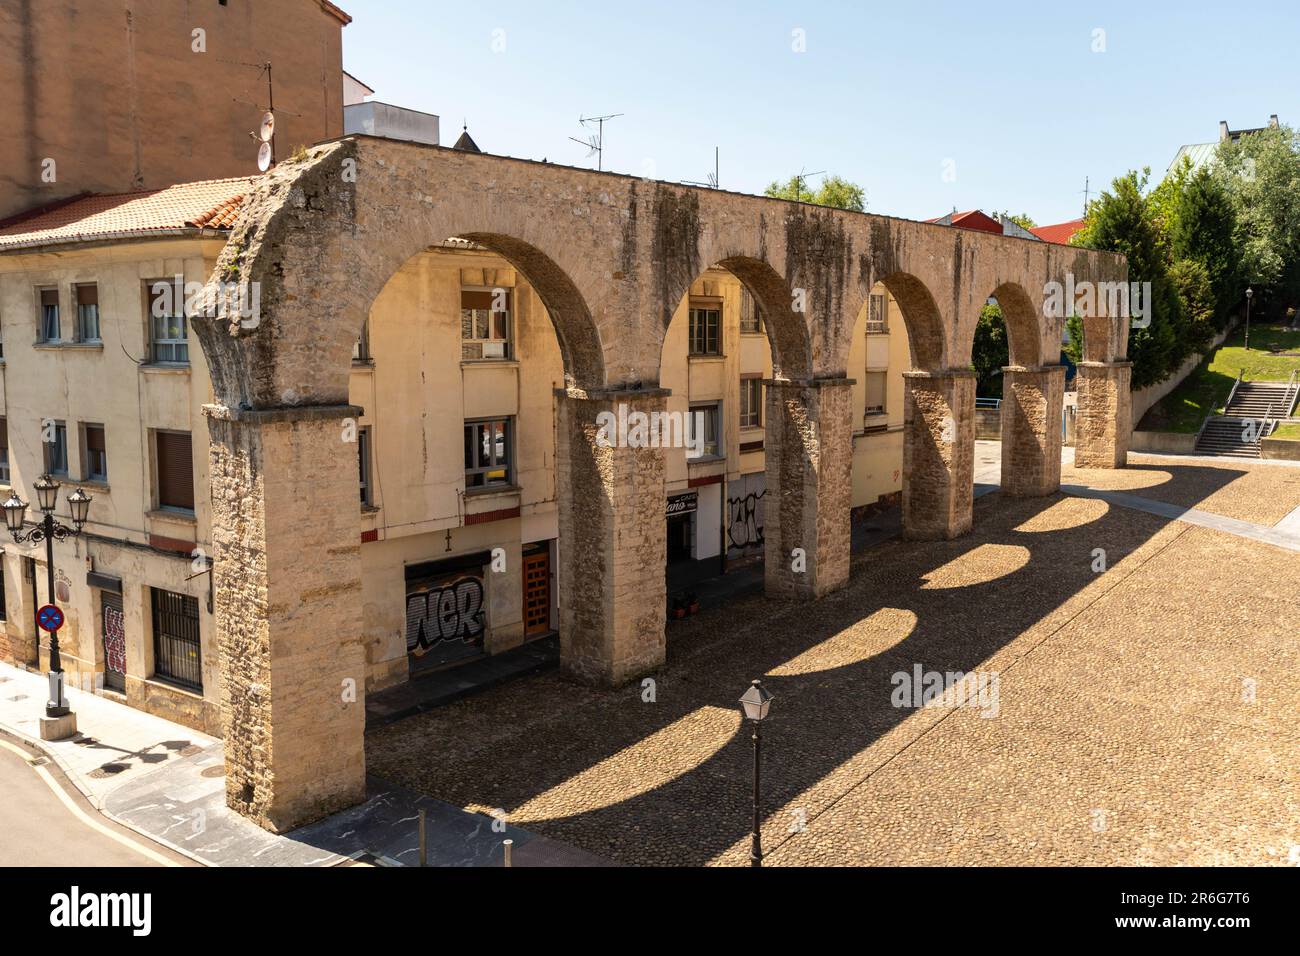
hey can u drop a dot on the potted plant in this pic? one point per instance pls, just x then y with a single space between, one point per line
679 608
693 603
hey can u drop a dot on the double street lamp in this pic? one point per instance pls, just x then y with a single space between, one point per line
49 531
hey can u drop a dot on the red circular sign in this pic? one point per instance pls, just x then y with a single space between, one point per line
50 618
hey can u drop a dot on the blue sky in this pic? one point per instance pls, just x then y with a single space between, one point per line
1012 94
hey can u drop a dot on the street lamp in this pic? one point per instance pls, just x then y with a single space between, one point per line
1249 294
49 531
754 703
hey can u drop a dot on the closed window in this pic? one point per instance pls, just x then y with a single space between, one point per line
751 402
176 654
875 385
4 450
88 313
48 320
95 458
168 329
704 428
876 324
363 463
751 319
175 470
487 453
705 330
54 438
485 324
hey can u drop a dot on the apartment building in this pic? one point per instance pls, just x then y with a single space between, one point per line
102 384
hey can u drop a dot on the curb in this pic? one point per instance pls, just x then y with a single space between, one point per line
75 779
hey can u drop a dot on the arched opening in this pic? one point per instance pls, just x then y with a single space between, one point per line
879 356
1019 423
938 419
716 360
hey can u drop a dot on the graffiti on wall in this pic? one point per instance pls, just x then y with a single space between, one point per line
745 524
449 610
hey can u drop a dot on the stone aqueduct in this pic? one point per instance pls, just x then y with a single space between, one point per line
611 256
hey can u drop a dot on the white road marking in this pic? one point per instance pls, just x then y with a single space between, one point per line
82 815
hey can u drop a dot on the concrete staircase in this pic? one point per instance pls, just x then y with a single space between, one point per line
1251 414
1262 399
1233 437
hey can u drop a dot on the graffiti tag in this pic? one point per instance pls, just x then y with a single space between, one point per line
447 612
744 529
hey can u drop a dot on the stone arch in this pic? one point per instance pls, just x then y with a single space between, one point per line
787 332
320 239
927 343
1024 325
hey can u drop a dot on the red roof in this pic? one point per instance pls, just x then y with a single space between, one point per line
1061 233
184 208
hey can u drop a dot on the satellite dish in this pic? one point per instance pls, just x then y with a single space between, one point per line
264 157
268 127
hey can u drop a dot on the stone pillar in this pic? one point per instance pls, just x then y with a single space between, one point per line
1103 422
613 534
808 449
938 453
287 587
1031 430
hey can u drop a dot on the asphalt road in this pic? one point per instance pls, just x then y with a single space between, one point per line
37 828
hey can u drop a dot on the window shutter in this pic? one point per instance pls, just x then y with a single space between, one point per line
50 297
95 439
175 470
87 295
4 433
475 299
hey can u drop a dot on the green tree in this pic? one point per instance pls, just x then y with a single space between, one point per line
1123 220
1191 280
1204 231
990 353
834 191
1261 175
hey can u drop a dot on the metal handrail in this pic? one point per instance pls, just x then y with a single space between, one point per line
1288 397
1231 394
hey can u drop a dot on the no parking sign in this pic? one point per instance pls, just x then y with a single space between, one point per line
50 618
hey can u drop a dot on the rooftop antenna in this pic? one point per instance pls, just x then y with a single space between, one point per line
712 177
802 177
1085 197
265 134
595 144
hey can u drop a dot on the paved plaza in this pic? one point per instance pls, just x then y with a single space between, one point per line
1140 714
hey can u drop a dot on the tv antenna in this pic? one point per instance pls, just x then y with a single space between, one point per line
265 134
595 143
801 178
1085 197
713 176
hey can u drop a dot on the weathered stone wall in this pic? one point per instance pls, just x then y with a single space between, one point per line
1031 430
938 454
809 456
287 588
612 546
1104 420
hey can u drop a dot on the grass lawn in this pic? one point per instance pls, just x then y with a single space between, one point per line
1206 389
1291 431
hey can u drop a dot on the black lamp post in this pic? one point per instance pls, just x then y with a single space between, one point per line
49 531
754 703
1249 295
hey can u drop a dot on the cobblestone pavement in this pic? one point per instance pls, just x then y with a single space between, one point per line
1249 491
1144 714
